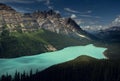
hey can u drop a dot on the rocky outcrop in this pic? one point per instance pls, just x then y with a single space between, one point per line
49 20
50 48
5 7
15 21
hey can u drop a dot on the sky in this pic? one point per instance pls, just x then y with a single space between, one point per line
85 12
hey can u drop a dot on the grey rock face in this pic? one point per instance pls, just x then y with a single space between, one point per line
49 20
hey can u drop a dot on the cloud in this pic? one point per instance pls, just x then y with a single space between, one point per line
89 11
20 9
16 1
70 10
40 0
50 7
73 16
81 14
93 27
87 21
90 16
47 2
57 11
77 12
79 21
116 21
85 15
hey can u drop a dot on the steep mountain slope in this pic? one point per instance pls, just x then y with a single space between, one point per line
5 7
53 21
49 20
22 44
9 17
25 39
16 21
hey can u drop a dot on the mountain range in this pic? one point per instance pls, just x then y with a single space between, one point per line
25 34
49 20
52 21
111 34
37 32
49 31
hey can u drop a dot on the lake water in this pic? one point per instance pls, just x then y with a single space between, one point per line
45 60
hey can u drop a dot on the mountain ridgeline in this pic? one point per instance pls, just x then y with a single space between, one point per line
38 32
43 31
5 7
111 34
49 20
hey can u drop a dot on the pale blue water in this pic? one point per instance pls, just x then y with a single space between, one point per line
45 60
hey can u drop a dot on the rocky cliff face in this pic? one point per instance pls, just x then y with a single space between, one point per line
9 17
49 20
5 7
16 21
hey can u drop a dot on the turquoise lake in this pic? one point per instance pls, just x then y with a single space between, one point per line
45 60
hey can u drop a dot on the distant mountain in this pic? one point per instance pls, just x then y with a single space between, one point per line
110 34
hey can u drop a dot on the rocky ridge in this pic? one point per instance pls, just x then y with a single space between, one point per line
49 20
